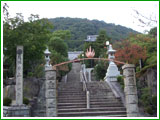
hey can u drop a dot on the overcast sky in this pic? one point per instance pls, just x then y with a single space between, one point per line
119 13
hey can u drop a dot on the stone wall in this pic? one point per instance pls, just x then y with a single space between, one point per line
34 90
16 111
38 108
31 87
148 79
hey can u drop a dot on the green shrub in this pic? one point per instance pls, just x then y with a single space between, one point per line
154 100
149 102
39 71
7 101
25 101
100 71
137 69
120 79
149 110
30 74
146 97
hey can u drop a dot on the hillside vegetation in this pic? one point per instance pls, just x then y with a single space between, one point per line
80 28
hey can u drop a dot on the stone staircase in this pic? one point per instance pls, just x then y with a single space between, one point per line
72 99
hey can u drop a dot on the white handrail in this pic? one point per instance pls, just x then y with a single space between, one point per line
84 80
65 79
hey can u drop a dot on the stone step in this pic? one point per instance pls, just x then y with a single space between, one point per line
71 107
84 100
123 115
91 96
70 85
92 103
71 89
67 95
102 97
107 105
91 106
79 93
93 109
96 113
71 96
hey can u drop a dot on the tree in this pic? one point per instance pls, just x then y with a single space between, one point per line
153 32
57 57
101 43
100 70
33 35
148 42
145 20
130 53
63 34
56 42
59 49
98 46
5 12
58 45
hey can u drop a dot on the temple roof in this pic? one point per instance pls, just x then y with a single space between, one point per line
91 38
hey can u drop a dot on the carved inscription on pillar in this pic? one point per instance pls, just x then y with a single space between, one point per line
50 84
19 75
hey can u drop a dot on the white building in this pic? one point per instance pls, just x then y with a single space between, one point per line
74 55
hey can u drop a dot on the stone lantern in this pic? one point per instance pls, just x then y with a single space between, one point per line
112 71
47 57
111 52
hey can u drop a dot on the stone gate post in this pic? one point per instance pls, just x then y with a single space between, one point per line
130 90
50 92
19 76
18 109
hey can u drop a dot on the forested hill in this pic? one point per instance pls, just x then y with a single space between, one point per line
80 28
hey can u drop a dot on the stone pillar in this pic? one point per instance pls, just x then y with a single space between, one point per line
51 92
130 90
19 76
19 109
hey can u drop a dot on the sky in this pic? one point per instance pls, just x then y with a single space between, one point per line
117 12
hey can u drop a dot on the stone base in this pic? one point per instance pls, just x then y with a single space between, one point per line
112 70
114 79
16 111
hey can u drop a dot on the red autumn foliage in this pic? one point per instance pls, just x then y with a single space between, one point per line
130 53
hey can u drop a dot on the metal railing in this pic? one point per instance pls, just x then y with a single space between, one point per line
84 81
65 78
